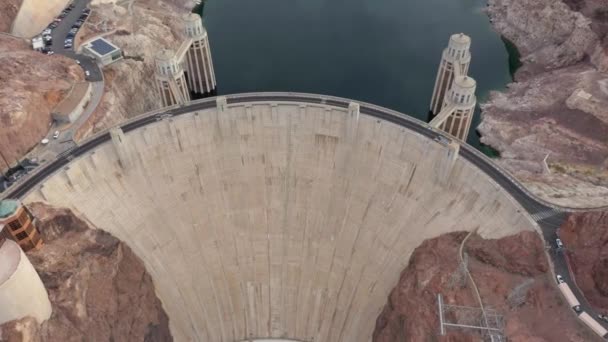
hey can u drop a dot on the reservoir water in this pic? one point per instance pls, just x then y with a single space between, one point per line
384 52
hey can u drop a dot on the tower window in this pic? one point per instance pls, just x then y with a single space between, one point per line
15 225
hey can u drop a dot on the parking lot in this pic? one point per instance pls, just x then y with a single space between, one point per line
62 32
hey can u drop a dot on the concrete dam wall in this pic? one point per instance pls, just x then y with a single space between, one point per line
278 220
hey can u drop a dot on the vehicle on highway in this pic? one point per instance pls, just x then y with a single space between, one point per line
559 244
570 297
442 140
560 279
44 141
593 324
56 135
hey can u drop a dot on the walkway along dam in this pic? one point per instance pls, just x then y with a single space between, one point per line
280 215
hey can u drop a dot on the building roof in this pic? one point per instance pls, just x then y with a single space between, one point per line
165 55
461 38
8 207
465 82
102 47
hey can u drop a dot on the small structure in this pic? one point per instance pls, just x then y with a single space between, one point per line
16 224
197 60
170 79
37 43
103 51
453 101
187 73
70 109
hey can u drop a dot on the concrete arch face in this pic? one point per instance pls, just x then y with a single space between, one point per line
278 220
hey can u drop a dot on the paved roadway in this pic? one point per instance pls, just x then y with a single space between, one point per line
549 217
65 141
61 31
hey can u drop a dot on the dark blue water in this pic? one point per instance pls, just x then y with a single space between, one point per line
381 51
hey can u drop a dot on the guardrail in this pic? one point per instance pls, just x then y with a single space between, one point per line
296 97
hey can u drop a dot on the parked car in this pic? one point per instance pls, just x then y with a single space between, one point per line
57 20
87 11
50 52
70 6
87 73
52 25
560 279
47 31
74 30
603 317
56 135
44 141
67 45
559 244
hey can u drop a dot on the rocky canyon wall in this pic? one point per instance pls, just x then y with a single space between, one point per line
497 266
8 12
99 290
585 236
551 126
31 85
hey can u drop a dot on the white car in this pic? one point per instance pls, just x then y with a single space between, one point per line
44 141
87 73
560 279
47 31
56 135
559 244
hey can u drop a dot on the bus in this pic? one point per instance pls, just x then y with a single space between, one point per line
570 298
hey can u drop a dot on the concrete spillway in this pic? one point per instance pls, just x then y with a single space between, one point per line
278 220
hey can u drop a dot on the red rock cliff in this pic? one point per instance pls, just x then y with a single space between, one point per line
99 290
497 267
585 236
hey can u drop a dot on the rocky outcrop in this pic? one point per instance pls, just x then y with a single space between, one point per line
8 12
31 85
99 290
585 236
142 33
550 126
35 15
497 266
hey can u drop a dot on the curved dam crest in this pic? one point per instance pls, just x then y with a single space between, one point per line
278 219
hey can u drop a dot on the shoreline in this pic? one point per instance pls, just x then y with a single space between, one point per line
549 124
